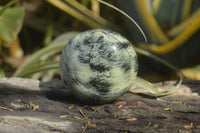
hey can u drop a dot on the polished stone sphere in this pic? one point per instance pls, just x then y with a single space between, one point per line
98 66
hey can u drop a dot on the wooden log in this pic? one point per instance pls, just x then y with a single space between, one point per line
29 106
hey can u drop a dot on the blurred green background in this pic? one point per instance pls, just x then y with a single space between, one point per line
33 33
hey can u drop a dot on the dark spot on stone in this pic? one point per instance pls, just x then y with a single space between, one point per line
92 32
136 68
78 81
70 41
85 58
136 64
113 59
78 47
126 67
99 67
123 45
75 80
100 39
91 46
66 83
100 85
87 40
109 55
101 46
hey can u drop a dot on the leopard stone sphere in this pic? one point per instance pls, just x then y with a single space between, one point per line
98 66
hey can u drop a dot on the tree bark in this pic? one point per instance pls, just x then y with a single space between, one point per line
31 106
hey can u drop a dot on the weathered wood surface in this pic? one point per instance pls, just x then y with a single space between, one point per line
31 106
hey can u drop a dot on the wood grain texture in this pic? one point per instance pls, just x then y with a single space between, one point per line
31 106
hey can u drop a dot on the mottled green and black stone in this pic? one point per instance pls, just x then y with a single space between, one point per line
98 66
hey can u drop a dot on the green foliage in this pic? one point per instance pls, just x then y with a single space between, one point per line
11 20
41 60
42 54
82 13
7 6
170 26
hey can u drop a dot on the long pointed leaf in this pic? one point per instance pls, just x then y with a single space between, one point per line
153 28
182 26
150 55
185 35
154 89
36 57
8 5
83 14
40 68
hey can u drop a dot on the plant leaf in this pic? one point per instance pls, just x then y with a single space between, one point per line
150 55
152 27
7 6
43 54
52 49
83 14
192 73
182 26
10 24
154 89
179 40
40 68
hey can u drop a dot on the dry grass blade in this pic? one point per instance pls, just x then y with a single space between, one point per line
81 13
156 5
152 27
186 9
126 15
185 35
52 49
4 108
182 26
